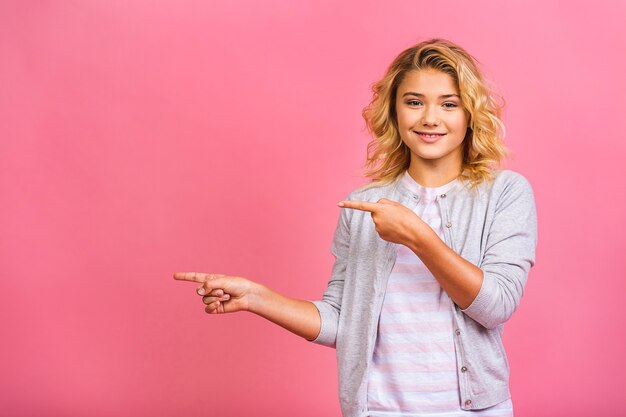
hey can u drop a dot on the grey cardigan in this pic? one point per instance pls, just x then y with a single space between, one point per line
494 227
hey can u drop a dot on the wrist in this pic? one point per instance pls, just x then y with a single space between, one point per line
255 297
420 233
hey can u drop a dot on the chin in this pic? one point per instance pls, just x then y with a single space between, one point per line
429 156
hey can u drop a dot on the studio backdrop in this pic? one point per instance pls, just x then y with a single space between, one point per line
140 138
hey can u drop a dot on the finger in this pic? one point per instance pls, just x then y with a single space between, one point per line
212 308
191 276
210 299
200 277
359 205
216 292
215 283
387 201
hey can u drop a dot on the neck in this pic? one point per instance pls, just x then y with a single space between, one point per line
433 176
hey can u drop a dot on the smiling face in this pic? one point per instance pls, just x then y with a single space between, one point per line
432 122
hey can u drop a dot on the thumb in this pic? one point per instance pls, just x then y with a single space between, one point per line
213 284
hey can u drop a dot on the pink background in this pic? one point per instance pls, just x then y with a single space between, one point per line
139 138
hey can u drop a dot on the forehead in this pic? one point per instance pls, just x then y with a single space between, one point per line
428 82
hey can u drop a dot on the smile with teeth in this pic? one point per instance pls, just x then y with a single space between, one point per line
430 135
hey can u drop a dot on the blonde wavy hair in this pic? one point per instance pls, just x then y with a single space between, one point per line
483 148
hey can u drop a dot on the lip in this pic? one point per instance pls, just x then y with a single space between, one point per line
430 139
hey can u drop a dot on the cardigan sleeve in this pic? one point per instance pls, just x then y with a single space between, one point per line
509 253
330 305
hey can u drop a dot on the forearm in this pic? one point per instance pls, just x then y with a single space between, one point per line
300 317
459 278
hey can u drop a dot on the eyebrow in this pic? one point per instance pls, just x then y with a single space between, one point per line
411 93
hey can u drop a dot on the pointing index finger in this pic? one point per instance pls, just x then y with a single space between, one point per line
359 205
191 276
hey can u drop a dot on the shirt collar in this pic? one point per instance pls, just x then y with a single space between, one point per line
408 184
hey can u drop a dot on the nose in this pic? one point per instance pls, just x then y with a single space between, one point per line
429 116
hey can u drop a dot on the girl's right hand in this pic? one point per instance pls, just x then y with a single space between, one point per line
226 294
221 293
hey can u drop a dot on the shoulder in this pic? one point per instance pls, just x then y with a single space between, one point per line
506 186
510 177
512 191
502 181
508 181
372 192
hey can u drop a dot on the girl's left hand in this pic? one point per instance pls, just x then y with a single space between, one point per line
394 222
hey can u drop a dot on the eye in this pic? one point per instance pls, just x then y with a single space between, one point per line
450 105
413 102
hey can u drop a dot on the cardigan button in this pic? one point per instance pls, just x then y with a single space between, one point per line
442 196
463 368
457 331
468 403
448 225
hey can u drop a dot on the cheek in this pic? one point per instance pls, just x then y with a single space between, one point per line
460 124
465 121
404 120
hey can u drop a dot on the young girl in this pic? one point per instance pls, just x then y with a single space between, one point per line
431 256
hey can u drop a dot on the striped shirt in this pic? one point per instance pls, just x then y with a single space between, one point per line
413 371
